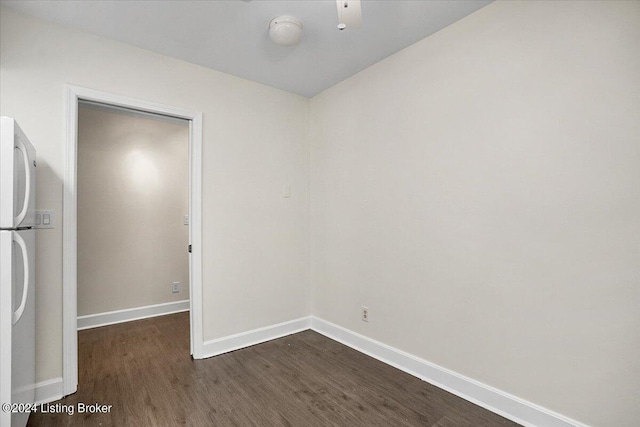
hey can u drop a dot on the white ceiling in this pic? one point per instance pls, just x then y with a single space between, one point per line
232 36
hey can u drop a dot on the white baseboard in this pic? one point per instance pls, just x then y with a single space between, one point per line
48 391
514 408
255 336
497 401
129 314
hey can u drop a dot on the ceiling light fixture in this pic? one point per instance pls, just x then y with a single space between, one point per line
285 30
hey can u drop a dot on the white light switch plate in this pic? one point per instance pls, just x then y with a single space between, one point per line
45 218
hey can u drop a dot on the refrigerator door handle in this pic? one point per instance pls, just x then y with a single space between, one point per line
27 191
25 260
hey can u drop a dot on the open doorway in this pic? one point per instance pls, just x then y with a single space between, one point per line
133 204
144 176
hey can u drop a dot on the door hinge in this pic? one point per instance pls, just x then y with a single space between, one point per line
189 248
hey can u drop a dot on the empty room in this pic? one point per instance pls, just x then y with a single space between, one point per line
320 213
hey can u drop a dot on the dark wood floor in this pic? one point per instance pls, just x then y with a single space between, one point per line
144 370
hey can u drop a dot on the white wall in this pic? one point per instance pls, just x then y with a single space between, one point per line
133 194
255 243
479 192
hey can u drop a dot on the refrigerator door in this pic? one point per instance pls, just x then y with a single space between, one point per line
17 177
17 322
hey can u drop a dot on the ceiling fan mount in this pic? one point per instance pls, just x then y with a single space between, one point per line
349 14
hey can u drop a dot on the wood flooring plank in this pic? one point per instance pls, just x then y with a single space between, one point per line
365 389
144 370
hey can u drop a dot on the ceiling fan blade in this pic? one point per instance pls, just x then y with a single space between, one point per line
349 14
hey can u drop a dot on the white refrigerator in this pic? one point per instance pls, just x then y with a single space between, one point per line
17 271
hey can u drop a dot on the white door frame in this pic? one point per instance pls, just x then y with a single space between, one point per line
69 222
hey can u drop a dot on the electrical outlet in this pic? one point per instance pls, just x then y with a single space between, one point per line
175 287
365 314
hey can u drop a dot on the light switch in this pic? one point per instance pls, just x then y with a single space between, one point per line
286 191
45 218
